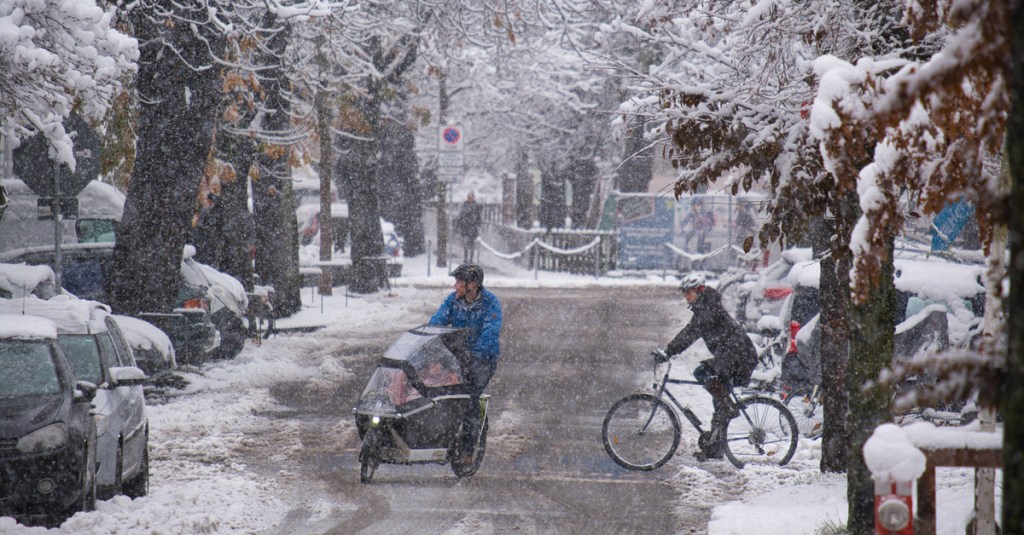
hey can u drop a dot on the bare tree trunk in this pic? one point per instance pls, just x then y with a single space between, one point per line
277 244
401 199
524 192
323 127
234 228
552 196
442 185
871 348
176 125
364 209
635 173
1012 396
277 251
583 174
994 329
835 333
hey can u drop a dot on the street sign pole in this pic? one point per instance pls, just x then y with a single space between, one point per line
450 163
58 228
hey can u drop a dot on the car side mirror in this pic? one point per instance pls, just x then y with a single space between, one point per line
127 376
85 391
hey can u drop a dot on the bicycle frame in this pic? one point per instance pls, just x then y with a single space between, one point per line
661 391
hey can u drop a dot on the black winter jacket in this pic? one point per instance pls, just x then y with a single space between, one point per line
734 353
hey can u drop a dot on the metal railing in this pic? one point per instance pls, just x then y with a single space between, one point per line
576 251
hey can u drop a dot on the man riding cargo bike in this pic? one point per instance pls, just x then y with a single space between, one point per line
424 402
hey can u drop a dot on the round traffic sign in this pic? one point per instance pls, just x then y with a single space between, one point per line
451 135
32 163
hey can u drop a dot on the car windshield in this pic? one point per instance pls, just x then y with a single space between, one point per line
28 369
84 355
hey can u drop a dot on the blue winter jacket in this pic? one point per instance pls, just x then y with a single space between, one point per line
483 316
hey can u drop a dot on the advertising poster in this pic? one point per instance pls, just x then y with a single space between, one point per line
645 224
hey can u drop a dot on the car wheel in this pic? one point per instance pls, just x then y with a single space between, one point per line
87 494
138 486
232 337
108 492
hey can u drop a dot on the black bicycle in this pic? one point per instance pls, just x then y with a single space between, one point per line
641 431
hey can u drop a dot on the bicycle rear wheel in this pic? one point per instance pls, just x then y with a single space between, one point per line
641 432
765 432
807 412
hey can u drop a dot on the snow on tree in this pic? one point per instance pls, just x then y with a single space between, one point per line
839 112
530 92
58 56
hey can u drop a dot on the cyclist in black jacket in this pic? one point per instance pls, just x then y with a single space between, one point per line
734 356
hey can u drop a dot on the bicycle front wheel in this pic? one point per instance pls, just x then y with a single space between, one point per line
764 432
641 432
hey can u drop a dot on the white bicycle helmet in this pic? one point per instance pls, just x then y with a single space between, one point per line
691 281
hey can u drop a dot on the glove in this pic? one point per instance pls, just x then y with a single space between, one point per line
660 356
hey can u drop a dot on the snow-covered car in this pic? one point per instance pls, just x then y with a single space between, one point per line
152 348
47 432
100 207
228 302
309 239
84 270
100 354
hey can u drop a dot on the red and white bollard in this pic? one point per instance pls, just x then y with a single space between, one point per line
894 507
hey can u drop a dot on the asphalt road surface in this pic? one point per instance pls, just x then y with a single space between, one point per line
567 355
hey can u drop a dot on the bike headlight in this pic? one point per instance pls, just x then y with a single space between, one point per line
375 420
893 515
101 424
47 438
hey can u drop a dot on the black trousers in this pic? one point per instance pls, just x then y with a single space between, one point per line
478 374
468 249
718 385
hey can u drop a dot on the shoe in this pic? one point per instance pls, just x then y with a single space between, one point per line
713 454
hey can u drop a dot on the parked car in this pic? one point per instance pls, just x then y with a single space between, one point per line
228 302
48 436
100 354
308 216
100 207
153 350
84 271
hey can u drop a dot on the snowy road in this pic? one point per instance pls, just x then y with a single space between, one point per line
566 357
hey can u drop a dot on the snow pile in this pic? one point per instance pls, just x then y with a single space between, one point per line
21 279
892 456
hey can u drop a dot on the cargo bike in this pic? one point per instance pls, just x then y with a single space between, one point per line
412 408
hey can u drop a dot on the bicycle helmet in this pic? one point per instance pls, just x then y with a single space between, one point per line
469 272
692 281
